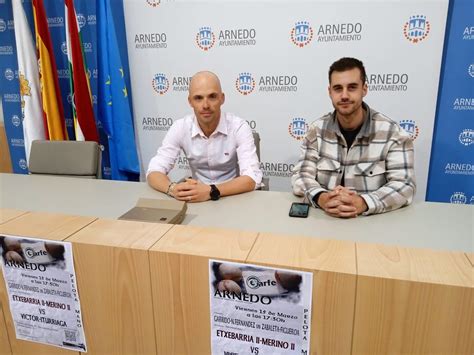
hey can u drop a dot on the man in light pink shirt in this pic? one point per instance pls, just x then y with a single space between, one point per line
219 147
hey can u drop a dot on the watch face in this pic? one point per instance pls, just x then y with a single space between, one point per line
215 193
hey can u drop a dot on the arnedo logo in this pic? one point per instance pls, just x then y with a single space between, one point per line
22 164
410 127
16 120
153 3
160 83
468 33
458 198
9 74
459 169
57 21
276 168
3 25
17 142
416 29
466 137
463 103
63 73
245 83
301 34
278 83
87 47
205 38
11 97
6 50
150 40
64 48
470 70
387 81
298 128
237 37
151 123
181 83
81 20
182 162
339 32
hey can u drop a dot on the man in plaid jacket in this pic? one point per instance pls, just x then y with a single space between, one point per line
354 160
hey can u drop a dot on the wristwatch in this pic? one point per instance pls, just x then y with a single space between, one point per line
215 193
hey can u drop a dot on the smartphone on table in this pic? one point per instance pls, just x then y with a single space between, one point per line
299 209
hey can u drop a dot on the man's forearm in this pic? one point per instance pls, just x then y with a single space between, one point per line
158 181
236 186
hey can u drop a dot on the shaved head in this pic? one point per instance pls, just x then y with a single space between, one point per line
206 98
205 77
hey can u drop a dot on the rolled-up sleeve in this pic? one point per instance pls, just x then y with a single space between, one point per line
247 154
166 155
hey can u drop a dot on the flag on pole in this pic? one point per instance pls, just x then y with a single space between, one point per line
31 109
84 121
113 100
52 105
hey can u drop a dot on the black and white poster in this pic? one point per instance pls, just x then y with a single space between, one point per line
42 291
259 310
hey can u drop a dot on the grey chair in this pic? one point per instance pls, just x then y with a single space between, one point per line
66 158
265 181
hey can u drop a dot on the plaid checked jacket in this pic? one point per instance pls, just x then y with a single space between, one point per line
379 166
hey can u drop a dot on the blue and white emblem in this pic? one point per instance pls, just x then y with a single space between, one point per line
81 20
245 83
298 128
160 83
466 137
205 38
22 164
458 198
411 128
302 34
417 28
9 74
16 120
470 70
3 25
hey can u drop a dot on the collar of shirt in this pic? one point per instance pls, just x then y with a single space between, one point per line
221 127
366 126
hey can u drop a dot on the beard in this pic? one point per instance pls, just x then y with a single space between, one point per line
347 108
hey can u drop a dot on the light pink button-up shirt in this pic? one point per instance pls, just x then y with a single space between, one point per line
228 152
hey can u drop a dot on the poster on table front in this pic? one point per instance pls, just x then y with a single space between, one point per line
259 310
42 291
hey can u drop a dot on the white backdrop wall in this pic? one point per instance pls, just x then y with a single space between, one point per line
256 42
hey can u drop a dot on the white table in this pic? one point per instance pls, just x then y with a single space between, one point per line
422 225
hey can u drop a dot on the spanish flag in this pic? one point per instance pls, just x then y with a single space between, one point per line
84 121
52 105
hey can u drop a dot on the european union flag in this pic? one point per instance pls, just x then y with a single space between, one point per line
113 104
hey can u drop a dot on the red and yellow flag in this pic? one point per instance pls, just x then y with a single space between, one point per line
53 112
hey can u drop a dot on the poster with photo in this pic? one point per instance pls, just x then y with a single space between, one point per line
42 291
259 310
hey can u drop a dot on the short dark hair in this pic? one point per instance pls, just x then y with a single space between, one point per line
348 63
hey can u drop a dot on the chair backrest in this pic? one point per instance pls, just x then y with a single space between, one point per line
66 158
265 181
256 139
